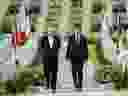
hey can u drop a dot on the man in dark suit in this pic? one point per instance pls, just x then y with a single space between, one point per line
49 53
77 52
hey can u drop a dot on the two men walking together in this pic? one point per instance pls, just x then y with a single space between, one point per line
77 53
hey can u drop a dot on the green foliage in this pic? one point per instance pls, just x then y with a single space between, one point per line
6 25
21 83
120 79
97 7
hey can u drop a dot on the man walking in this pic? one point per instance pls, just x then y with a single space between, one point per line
77 52
50 43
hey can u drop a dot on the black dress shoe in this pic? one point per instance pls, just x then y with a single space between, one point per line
78 89
38 83
103 81
53 91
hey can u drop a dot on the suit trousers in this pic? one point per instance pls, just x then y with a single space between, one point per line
77 73
50 71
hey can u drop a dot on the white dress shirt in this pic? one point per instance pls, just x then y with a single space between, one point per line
50 38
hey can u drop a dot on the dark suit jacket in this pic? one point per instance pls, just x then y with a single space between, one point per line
49 55
46 46
77 51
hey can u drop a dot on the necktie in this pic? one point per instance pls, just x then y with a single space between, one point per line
77 37
50 41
